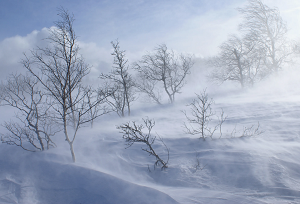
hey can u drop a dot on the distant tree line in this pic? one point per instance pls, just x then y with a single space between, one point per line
260 49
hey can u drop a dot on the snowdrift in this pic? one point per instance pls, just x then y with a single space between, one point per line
31 179
232 169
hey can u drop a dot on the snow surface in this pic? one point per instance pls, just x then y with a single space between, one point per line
258 169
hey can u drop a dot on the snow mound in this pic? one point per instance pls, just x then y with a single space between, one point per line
34 180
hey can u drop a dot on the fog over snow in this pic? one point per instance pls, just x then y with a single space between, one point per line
262 168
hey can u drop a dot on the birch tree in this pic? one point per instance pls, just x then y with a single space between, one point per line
121 82
60 69
33 128
265 26
239 60
163 68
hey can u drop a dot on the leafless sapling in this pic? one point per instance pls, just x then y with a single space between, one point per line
222 119
163 68
35 126
201 116
60 69
121 81
197 166
132 133
247 131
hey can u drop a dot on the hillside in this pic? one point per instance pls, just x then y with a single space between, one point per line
261 168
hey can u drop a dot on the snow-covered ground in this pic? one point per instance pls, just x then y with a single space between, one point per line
260 169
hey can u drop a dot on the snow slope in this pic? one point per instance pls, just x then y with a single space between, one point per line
258 169
33 179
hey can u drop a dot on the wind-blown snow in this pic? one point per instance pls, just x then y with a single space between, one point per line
232 169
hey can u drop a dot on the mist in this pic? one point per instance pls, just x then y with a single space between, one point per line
252 156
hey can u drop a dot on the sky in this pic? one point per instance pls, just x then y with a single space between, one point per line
188 26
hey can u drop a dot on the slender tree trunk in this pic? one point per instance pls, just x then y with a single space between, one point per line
38 131
166 89
127 98
40 139
70 143
203 122
36 128
72 152
128 105
274 62
67 136
239 67
123 104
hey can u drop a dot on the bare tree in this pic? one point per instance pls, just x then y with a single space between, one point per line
201 116
166 68
247 131
263 49
222 119
34 128
60 69
198 165
239 60
121 81
132 133
265 26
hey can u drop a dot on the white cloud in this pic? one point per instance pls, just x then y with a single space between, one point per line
184 27
12 50
99 58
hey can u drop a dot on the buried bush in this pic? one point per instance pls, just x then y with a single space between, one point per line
201 114
132 133
201 120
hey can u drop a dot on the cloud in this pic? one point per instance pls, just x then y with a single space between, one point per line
141 25
12 51
190 26
99 58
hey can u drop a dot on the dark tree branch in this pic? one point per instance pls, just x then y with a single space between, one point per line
132 133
